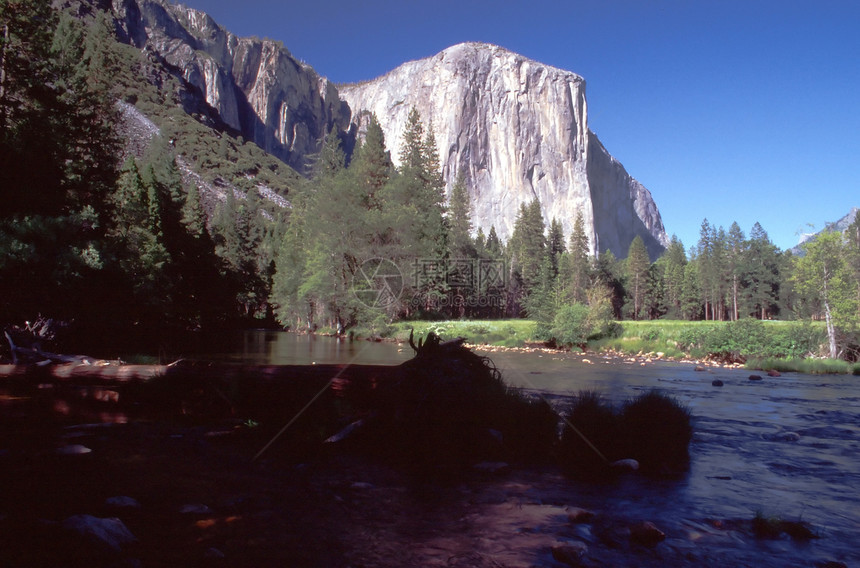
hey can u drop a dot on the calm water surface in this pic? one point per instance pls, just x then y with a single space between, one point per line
785 446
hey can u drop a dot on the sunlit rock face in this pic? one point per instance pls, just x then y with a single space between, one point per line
256 86
519 130
516 127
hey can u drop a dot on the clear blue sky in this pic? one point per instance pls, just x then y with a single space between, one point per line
744 110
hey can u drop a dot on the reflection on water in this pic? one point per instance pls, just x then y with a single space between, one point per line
785 446
281 348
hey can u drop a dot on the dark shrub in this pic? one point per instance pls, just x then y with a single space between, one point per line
657 432
450 408
529 427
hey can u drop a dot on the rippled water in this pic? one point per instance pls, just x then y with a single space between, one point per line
783 446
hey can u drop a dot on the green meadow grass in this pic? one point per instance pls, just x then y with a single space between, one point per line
504 333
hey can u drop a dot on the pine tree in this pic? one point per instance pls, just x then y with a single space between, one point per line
638 264
578 277
555 242
371 165
412 152
673 262
691 295
460 220
608 275
759 266
331 158
193 216
494 244
735 244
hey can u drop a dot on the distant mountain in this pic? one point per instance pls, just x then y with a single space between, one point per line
841 225
518 128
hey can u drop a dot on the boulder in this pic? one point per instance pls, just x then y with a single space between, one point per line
646 534
570 553
717 383
577 515
122 502
106 533
627 464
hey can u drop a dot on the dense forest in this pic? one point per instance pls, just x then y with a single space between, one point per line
126 245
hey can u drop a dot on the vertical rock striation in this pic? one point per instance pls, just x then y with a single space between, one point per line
519 129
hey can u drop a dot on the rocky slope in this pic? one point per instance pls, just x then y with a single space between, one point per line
841 225
519 129
256 86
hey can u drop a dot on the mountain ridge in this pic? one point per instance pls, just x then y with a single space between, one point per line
258 88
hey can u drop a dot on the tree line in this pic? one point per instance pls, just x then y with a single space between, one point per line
120 247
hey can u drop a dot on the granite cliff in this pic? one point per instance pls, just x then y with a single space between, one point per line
518 128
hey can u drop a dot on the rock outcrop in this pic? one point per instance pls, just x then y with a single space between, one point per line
519 130
256 86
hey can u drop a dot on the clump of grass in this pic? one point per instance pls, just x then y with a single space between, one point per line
590 436
807 366
654 429
529 427
766 527
773 527
657 431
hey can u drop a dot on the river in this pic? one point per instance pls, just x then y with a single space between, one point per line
783 446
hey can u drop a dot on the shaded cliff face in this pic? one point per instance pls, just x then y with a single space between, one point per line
256 86
519 129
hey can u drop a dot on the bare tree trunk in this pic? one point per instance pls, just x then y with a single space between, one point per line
734 298
828 318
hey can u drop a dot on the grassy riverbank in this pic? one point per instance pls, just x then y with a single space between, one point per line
765 345
500 333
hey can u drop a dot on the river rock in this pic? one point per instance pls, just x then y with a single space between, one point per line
214 554
570 553
717 383
491 467
627 464
577 515
612 534
830 564
122 502
773 373
699 369
73 450
108 533
195 509
755 377
646 534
